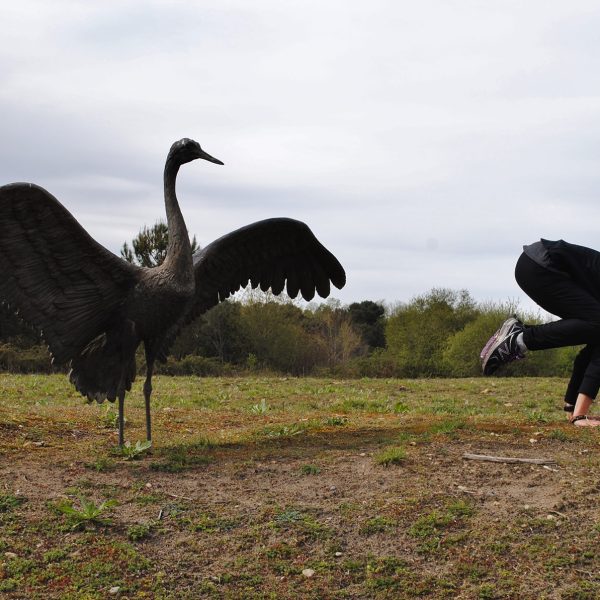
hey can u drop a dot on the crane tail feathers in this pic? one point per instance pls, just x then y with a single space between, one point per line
106 366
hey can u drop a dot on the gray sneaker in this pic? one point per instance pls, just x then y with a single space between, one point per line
502 347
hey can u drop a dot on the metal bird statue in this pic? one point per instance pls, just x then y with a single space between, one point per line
93 309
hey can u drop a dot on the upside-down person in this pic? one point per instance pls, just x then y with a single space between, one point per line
564 279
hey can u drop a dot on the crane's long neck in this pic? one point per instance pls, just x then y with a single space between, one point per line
179 253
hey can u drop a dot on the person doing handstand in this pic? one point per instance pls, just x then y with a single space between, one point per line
564 279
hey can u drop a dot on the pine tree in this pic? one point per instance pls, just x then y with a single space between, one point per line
150 246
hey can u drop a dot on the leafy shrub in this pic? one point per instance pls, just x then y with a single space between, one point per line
439 333
195 365
417 332
34 359
461 354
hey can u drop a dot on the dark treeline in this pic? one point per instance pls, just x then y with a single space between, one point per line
438 334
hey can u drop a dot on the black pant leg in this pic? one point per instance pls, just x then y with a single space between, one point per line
580 365
558 294
580 321
590 384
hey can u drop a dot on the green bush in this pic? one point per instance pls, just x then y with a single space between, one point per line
417 333
380 363
34 359
195 365
461 354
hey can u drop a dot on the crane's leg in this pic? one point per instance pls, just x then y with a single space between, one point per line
129 343
148 393
121 418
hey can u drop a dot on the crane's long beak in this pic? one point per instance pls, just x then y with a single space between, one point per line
208 157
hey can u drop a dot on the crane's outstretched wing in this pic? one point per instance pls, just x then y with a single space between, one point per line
55 275
269 254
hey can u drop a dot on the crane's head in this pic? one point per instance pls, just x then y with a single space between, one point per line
186 150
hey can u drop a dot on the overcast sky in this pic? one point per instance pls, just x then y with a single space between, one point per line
423 142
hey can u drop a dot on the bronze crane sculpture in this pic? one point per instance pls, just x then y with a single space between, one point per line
93 309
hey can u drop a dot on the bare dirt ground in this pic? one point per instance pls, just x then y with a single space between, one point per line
312 513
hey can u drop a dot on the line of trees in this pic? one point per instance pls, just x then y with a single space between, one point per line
438 334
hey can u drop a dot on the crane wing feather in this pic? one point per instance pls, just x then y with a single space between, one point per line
274 254
54 274
268 253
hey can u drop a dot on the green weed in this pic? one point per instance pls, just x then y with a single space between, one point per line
377 524
310 470
147 499
538 417
398 408
209 523
110 418
131 452
8 502
54 555
287 515
449 427
559 435
391 456
182 458
102 465
260 409
430 527
87 513
276 431
301 522
139 532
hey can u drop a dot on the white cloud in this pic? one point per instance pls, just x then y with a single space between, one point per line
424 143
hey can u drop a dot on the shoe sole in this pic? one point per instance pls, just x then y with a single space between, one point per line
493 343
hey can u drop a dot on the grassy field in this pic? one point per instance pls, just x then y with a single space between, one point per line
298 488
